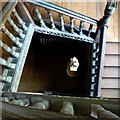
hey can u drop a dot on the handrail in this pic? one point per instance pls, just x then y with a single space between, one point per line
63 11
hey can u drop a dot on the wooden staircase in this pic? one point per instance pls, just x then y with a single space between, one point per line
89 30
17 28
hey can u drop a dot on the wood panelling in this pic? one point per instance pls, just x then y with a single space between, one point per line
111 71
110 93
112 60
110 83
112 48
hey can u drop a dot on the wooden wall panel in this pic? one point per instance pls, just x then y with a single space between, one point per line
110 83
112 60
112 48
110 93
111 72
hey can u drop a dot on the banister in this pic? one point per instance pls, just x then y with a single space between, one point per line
63 11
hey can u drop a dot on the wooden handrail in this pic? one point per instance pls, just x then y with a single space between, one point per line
63 11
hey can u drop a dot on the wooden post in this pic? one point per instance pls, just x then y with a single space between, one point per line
42 104
21 22
67 108
81 27
62 22
15 27
11 36
7 63
51 19
8 49
99 112
21 102
71 25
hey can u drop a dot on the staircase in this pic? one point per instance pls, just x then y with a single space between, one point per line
17 29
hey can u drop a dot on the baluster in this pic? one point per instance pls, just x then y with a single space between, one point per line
94 68
42 104
36 11
20 21
62 22
71 25
51 19
92 93
2 84
11 36
19 31
5 79
93 78
102 113
90 30
5 73
7 64
21 102
93 71
81 27
94 46
93 86
67 108
8 49
95 51
8 98
94 54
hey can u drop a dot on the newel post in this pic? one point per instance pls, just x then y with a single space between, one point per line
101 40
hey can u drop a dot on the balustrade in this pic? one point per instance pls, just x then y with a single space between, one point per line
11 36
20 21
9 50
7 63
71 29
19 31
16 50
37 13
